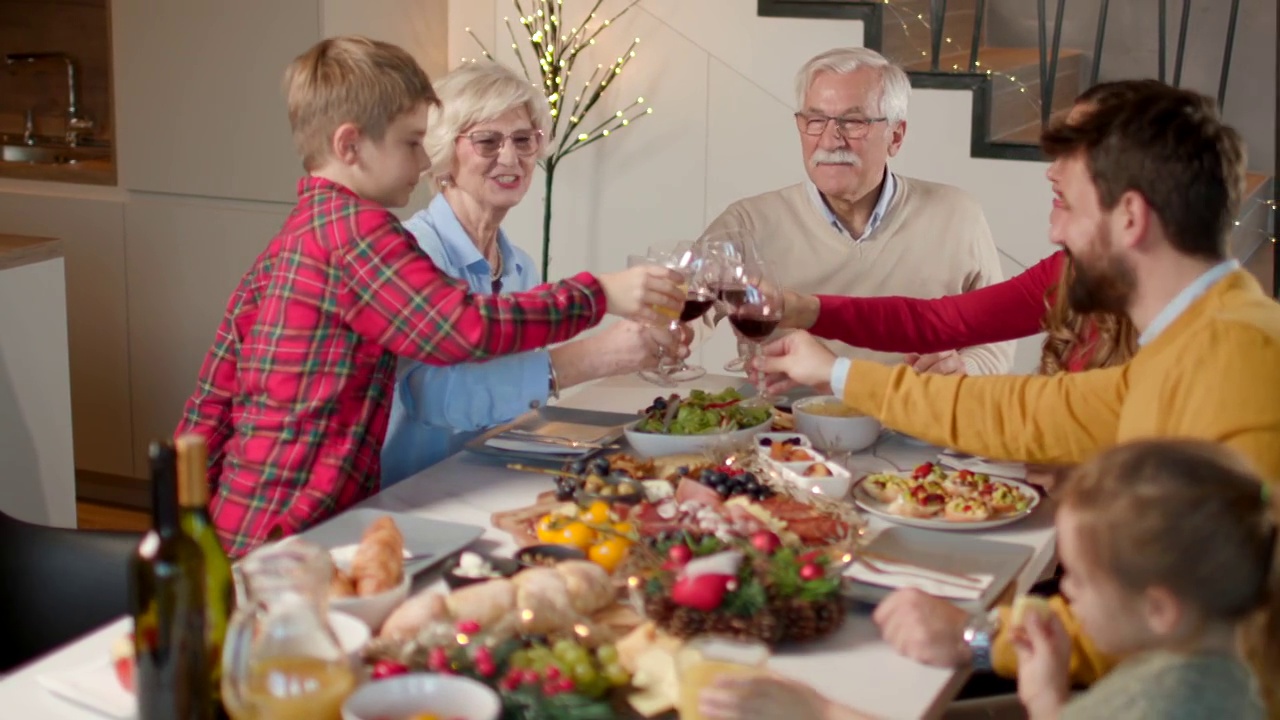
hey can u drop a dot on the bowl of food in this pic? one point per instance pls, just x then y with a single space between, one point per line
548 554
698 423
370 601
423 695
821 478
470 568
835 426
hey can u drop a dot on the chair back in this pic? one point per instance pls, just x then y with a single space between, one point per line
59 584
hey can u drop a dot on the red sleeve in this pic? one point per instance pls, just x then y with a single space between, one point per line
1005 311
398 298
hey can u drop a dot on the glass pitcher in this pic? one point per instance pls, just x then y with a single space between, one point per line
281 659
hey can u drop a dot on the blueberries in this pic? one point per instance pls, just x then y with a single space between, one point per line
766 442
659 403
707 476
721 476
749 478
577 467
682 471
600 466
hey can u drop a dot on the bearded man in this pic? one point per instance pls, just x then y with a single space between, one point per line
1150 187
855 228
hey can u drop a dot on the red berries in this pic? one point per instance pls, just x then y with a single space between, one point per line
810 571
765 541
388 668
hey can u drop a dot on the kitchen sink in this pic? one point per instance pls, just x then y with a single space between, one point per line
53 154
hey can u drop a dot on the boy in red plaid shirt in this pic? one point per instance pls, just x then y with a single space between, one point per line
293 397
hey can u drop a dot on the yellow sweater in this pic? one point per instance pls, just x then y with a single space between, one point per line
1213 374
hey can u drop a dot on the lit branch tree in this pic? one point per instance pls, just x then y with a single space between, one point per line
555 49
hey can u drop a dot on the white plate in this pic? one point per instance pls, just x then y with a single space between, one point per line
879 509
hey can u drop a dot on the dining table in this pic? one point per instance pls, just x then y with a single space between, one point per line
854 665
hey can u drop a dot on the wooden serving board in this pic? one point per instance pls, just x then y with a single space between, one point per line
519 522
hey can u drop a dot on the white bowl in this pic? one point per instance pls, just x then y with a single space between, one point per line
658 444
835 485
846 434
403 696
353 634
372 609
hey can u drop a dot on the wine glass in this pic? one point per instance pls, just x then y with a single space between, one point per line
755 314
734 250
688 261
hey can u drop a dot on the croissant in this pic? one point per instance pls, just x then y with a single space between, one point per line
340 586
378 565
415 614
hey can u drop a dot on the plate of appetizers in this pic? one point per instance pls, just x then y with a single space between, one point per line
936 498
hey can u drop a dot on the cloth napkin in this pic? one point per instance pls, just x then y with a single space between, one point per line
901 575
960 461
92 686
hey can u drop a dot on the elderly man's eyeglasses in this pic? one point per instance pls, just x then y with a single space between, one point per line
849 128
488 143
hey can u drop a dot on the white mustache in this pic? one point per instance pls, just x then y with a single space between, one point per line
835 157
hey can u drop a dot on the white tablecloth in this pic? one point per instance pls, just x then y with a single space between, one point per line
853 666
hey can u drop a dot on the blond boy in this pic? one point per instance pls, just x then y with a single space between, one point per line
294 395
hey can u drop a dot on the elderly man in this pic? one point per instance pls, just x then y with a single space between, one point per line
854 227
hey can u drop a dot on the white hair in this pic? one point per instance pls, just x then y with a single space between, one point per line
474 93
895 86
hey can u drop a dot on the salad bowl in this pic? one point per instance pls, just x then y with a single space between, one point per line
697 424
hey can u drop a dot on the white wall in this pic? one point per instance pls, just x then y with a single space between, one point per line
720 80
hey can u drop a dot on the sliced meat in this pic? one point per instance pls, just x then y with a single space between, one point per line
692 490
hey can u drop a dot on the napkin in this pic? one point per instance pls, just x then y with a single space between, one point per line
902 575
960 461
93 686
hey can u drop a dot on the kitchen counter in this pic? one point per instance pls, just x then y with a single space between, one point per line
88 172
36 451
16 250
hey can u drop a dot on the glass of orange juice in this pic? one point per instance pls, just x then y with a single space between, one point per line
703 659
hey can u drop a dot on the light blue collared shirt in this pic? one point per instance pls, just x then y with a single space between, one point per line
1183 300
1171 312
887 191
438 409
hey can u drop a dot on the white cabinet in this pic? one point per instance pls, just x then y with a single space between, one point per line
185 256
92 235
199 104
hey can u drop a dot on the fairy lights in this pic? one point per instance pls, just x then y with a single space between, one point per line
555 50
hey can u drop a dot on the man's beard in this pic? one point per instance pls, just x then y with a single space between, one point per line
1101 285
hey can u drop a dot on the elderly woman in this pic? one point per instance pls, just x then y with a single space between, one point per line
484 141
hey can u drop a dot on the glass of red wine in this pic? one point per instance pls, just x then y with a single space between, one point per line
733 250
755 314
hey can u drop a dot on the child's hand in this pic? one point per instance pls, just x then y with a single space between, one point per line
1044 656
634 293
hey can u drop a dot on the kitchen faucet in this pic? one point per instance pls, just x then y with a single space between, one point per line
76 125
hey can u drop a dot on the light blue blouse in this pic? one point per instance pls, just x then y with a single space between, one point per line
438 409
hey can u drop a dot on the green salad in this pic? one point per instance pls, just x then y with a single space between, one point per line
702 413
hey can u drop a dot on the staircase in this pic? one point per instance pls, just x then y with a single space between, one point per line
1017 90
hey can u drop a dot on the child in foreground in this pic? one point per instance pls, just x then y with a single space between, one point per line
1169 550
294 396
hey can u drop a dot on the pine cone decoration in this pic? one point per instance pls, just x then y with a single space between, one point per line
686 622
659 609
801 621
765 626
829 615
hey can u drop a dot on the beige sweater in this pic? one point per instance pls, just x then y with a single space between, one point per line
932 241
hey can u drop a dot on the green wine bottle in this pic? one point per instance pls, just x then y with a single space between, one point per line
167 601
193 513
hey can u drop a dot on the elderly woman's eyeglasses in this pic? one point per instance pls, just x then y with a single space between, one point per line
848 128
488 143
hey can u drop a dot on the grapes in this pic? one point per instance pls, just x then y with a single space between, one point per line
607 654
616 675
577 467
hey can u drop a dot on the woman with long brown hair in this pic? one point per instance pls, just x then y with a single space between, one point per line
1031 302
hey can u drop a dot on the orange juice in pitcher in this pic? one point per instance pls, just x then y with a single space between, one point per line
704 659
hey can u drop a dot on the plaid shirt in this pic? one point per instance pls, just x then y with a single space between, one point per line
294 395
